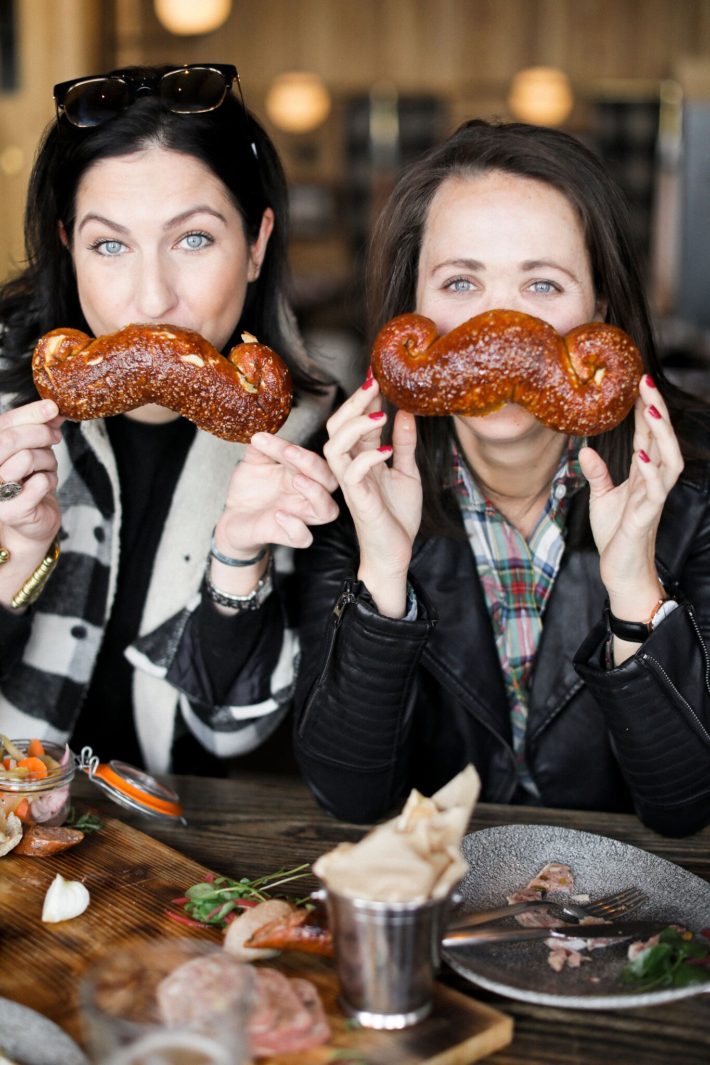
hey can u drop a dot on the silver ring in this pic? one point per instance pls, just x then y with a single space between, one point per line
9 490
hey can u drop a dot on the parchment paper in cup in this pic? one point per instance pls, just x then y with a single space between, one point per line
413 857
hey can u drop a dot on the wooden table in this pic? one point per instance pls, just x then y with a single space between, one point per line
259 823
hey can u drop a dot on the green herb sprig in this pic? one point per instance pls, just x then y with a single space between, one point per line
677 960
86 822
210 902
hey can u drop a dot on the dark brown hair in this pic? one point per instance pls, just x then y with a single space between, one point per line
230 143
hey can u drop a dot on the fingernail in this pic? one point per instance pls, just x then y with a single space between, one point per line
643 456
376 415
369 379
654 412
649 381
385 449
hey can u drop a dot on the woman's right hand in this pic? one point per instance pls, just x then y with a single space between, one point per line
31 520
385 501
27 438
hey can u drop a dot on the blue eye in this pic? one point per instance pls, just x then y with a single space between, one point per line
196 241
544 288
459 284
109 247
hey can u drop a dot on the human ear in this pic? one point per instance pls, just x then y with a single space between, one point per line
63 234
601 306
257 251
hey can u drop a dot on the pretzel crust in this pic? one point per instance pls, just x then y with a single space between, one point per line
250 391
584 383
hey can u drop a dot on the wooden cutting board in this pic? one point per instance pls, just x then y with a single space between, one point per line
132 878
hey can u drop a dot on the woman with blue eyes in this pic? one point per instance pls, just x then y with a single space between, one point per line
133 549
493 591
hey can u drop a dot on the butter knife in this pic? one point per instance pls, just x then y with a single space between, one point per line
471 937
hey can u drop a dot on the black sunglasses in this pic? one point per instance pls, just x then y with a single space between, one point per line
186 90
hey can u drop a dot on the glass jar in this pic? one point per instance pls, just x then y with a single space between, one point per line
48 797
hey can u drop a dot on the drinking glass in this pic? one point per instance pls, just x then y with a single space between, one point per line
167 1002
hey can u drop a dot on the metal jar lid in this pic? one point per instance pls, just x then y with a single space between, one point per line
131 787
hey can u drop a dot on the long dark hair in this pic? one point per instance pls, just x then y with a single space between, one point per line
558 160
44 296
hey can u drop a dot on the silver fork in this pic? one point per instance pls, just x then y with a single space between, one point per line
607 907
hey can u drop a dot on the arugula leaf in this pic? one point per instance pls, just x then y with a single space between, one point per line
211 902
677 960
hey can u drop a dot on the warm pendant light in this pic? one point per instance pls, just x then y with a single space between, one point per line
542 95
192 17
298 101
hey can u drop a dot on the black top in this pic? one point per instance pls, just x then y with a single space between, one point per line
149 459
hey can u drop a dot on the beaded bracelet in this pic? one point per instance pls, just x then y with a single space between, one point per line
241 603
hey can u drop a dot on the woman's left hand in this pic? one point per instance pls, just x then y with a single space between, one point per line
276 493
625 517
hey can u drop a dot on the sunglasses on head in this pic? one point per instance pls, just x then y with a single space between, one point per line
186 90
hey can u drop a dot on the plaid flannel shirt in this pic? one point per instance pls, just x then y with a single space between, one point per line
517 575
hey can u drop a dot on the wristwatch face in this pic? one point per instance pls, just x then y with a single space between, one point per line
663 611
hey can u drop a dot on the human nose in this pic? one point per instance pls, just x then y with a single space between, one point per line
502 297
156 291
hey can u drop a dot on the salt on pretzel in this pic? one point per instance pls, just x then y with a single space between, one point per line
248 392
584 383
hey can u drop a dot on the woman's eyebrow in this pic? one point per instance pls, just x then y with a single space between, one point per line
460 264
537 264
92 217
179 219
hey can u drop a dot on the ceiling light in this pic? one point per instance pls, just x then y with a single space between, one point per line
191 17
298 101
542 95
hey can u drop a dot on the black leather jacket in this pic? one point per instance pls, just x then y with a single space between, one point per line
384 705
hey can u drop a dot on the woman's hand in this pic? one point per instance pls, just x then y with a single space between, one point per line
625 517
27 438
30 520
385 501
276 493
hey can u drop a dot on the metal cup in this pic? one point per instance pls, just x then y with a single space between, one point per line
386 957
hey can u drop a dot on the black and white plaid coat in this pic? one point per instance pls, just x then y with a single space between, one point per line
47 661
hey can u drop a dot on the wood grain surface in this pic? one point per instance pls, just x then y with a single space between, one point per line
258 822
131 879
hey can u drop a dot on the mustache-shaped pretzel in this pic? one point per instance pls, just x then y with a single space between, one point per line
583 383
233 398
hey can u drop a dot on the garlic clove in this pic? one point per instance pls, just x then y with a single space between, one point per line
10 831
64 899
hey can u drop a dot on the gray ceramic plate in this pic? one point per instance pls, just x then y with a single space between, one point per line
504 859
32 1039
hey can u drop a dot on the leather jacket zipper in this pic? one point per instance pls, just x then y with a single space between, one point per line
345 599
701 641
658 668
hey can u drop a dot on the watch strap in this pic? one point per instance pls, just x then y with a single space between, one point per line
638 631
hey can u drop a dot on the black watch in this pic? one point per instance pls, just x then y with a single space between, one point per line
638 631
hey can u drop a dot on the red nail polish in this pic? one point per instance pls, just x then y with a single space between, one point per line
376 415
385 449
654 412
369 379
643 456
649 381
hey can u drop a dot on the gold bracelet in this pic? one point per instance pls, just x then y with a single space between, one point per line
35 583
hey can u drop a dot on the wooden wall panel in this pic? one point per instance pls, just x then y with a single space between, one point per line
463 50
438 45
